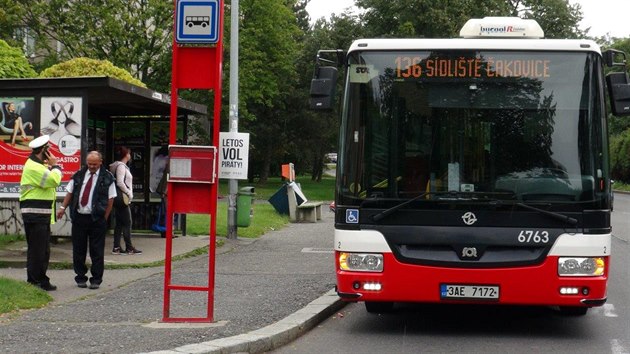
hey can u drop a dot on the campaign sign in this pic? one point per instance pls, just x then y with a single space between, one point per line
233 155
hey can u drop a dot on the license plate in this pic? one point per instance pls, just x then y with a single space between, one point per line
483 292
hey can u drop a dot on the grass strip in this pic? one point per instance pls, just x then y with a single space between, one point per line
16 295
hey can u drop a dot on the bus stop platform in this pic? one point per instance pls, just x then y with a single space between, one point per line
268 291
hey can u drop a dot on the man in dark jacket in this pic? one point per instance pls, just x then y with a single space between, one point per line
90 197
38 191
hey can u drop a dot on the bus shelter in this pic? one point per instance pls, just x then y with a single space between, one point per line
82 114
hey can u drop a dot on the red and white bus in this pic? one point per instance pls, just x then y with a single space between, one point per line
474 169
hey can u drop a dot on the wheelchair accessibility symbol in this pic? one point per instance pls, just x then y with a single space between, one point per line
352 216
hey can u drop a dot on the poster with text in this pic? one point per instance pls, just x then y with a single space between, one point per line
233 155
61 118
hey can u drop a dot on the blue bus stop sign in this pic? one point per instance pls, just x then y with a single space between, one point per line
197 21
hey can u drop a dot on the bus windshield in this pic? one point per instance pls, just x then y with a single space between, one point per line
517 125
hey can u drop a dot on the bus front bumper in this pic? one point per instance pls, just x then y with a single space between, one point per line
528 285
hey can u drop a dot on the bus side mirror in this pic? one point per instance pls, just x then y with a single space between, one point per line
610 55
619 92
323 87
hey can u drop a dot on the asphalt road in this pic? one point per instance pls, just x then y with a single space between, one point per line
486 329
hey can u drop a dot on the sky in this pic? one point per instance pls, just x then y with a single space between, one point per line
603 16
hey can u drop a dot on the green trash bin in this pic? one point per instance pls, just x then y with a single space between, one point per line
244 210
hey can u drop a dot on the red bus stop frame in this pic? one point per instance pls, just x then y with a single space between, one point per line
193 67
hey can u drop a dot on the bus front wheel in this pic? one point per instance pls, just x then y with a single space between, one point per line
378 307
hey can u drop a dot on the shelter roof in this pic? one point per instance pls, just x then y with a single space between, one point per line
106 96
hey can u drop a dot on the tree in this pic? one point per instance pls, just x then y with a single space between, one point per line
10 16
618 125
13 63
620 156
318 131
424 18
558 18
432 19
133 34
268 52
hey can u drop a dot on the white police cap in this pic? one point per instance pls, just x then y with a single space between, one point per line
39 142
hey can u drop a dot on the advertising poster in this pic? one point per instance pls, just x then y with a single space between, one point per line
18 126
60 117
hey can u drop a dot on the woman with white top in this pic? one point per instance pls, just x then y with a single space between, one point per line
122 212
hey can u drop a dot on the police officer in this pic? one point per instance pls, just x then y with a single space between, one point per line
40 178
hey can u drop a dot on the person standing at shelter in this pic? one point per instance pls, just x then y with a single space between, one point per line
90 197
38 190
122 211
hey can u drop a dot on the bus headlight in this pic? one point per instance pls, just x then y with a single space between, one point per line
361 262
580 266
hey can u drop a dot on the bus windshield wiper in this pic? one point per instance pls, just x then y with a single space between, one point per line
383 214
446 196
558 216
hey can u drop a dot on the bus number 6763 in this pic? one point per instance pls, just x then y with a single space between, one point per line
531 236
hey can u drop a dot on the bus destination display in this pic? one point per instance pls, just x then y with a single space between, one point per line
417 67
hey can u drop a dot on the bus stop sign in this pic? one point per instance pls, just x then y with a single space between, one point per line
197 21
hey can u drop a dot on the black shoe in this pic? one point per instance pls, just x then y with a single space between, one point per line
131 251
48 287
94 286
118 251
82 284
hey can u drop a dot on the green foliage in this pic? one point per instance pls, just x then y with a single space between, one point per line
9 19
13 63
133 34
17 295
443 19
558 18
620 186
425 18
269 48
620 156
316 132
313 190
618 125
264 220
89 67
9 239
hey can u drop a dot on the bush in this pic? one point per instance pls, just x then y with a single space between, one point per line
90 67
13 63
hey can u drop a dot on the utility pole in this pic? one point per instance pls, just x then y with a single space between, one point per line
233 117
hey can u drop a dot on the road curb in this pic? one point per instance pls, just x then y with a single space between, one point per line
273 336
